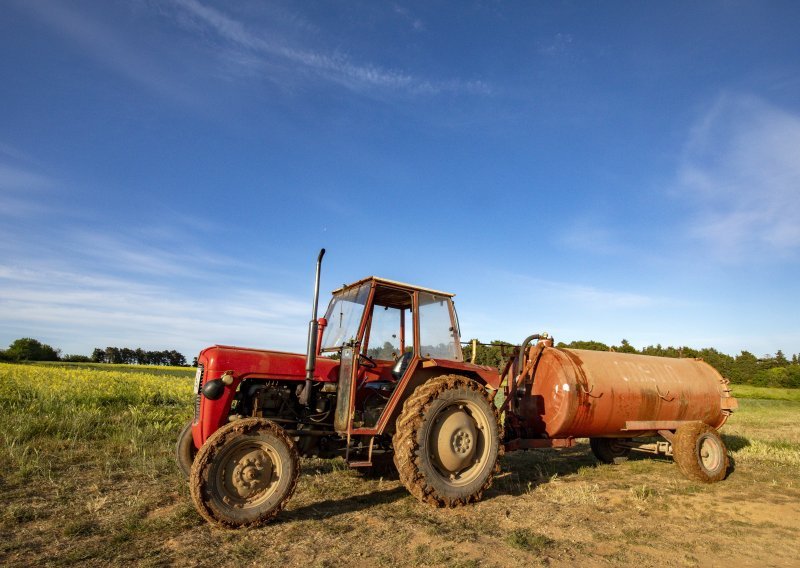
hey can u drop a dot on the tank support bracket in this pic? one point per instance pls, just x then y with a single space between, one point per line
650 425
535 443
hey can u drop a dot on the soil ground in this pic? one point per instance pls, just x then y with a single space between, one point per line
96 485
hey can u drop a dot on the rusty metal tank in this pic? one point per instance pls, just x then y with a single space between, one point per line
579 393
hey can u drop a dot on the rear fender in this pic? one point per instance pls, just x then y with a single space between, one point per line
422 371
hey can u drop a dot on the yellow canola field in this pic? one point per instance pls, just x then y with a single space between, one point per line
93 387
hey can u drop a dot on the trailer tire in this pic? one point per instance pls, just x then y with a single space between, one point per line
700 453
185 451
447 441
608 450
244 474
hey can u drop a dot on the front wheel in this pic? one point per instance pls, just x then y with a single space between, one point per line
700 453
244 474
185 450
447 441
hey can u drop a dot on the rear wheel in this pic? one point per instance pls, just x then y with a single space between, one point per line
185 450
447 441
609 450
244 474
700 453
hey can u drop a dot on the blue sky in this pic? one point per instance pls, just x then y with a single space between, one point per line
170 168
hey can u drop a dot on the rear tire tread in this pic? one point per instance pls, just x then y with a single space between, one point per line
406 446
685 452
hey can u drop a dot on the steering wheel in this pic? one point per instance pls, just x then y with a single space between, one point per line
368 361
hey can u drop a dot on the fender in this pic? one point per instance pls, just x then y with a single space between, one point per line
419 371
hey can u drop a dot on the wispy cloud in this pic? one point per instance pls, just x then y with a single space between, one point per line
80 309
106 43
19 189
13 178
581 294
587 235
558 44
107 313
416 23
335 67
741 172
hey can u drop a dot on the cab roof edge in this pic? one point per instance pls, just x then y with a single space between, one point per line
393 283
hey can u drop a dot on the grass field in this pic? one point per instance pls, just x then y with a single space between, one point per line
87 476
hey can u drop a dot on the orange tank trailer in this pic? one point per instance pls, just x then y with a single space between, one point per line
615 400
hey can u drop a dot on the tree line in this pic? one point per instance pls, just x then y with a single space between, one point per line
776 370
125 355
29 349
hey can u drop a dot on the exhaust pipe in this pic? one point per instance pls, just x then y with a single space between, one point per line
311 348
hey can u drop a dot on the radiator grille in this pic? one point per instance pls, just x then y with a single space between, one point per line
198 384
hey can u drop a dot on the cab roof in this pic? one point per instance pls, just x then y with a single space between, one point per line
378 280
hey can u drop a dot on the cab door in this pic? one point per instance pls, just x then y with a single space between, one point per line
348 377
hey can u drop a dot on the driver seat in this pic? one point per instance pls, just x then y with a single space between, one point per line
401 365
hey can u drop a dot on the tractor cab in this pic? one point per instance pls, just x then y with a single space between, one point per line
382 331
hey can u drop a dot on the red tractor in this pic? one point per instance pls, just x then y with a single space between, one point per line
384 380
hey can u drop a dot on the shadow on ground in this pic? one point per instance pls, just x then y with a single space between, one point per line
334 507
735 443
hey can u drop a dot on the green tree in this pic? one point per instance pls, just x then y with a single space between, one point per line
29 349
625 347
589 345
495 354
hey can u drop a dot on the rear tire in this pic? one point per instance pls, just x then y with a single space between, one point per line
609 450
700 453
244 474
447 441
185 450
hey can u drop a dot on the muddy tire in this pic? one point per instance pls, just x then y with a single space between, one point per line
185 450
244 474
446 442
700 453
609 450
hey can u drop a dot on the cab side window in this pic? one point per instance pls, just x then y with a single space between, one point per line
437 331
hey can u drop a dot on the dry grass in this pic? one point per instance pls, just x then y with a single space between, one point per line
86 476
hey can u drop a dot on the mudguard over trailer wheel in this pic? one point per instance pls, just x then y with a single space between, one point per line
609 450
244 474
185 450
700 453
446 442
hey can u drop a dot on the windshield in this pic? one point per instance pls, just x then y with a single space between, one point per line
344 316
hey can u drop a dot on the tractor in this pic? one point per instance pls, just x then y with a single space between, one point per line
383 383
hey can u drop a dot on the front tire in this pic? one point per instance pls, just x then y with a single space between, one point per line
244 474
185 450
447 441
700 453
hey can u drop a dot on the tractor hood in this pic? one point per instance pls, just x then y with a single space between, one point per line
258 363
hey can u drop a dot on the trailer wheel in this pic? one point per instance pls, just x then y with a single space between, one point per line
446 442
185 450
700 453
609 450
244 474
